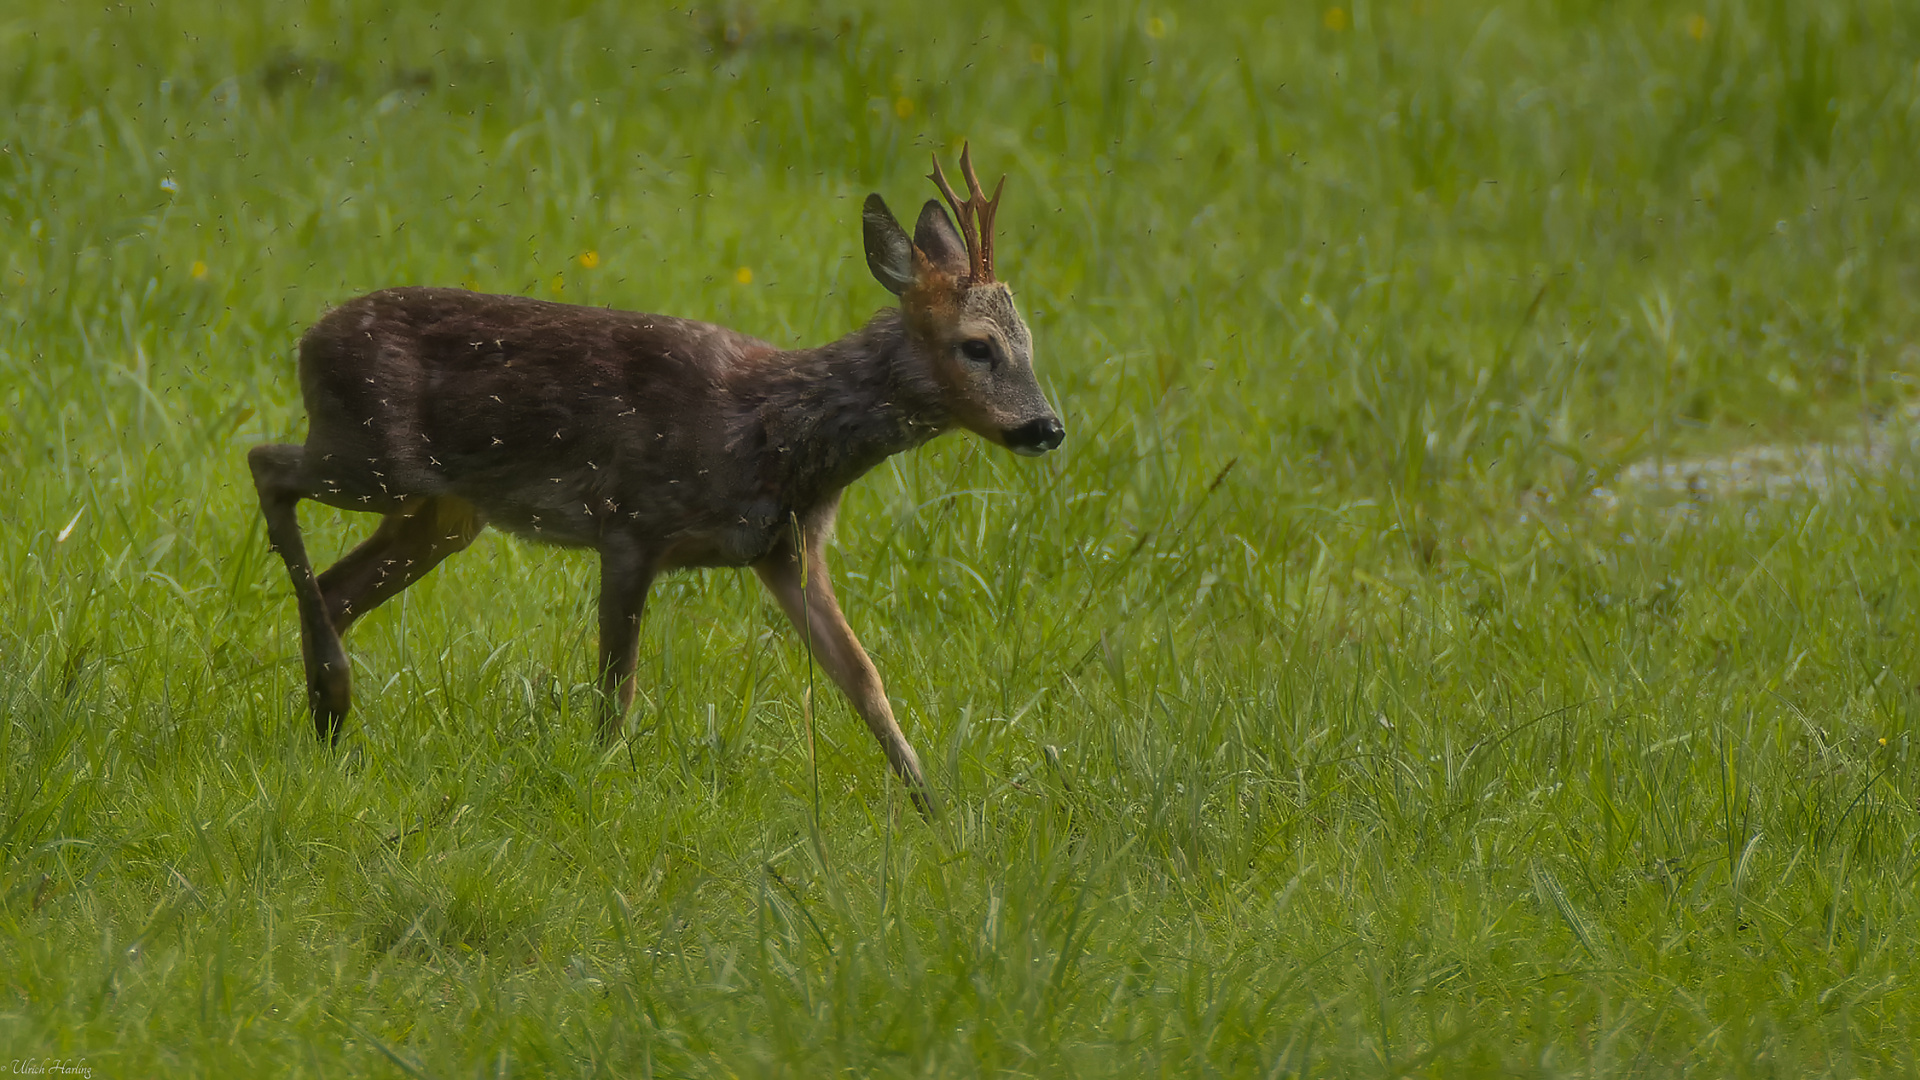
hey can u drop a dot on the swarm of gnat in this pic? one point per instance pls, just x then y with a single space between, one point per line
659 442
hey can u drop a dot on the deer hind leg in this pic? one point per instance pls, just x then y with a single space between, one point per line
815 612
626 572
281 478
408 543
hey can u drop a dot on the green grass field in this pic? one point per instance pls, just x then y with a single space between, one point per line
1305 715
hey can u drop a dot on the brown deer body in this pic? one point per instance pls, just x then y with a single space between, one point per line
660 442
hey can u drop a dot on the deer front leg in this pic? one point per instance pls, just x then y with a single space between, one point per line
626 572
816 614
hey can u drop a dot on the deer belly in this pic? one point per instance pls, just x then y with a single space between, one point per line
754 534
554 519
740 537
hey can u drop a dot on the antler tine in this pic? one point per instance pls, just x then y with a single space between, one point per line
983 209
986 212
966 171
963 209
939 177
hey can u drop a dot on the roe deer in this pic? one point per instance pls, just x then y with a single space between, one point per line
660 442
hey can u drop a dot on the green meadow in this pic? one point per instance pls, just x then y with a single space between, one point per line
1330 704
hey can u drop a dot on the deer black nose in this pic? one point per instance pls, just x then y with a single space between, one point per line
1036 437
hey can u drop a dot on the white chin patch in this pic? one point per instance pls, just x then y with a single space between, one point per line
1027 451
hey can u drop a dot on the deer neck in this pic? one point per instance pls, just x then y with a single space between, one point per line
832 413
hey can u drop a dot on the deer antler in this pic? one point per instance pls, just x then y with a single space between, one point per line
975 214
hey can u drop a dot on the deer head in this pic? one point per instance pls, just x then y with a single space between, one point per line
960 319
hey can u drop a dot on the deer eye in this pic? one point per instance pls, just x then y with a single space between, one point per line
977 349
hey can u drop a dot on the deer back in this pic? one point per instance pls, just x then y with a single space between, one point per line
553 419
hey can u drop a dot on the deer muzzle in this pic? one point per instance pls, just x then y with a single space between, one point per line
1035 437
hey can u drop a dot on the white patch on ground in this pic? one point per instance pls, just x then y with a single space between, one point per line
1775 470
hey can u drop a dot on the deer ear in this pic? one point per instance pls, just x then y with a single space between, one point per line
936 237
889 252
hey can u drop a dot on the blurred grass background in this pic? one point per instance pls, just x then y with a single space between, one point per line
1306 714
